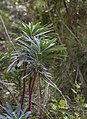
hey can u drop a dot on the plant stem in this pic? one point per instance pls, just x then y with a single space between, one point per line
24 86
30 94
31 86
39 111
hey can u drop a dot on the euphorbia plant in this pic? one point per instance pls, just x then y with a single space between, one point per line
10 113
36 48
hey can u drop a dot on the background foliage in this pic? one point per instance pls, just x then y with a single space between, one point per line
69 17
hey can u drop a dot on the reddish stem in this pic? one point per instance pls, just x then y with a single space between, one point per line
30 93
31 85
24 86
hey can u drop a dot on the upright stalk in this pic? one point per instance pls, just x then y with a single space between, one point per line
31 86
39 111
46 99
24 85
1 101
30 94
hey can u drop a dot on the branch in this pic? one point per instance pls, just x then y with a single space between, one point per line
54 85
71 32
66 7
7 32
